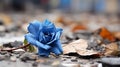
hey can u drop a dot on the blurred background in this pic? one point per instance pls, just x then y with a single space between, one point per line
71 15
93 6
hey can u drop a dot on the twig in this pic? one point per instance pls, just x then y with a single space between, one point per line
11 49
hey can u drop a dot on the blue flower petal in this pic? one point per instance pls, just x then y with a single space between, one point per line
45 36
34 27
53 35
58 33
42 38
55 50
47 22
48 27
32 40
58 45
43 52
56 36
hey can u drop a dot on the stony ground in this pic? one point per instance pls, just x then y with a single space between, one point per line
21 58
12 36
26 59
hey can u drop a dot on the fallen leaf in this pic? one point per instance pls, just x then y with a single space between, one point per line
79 47
106 34
78 27
60 19
117 35
68 49
111 49
6 19
80 44
87 52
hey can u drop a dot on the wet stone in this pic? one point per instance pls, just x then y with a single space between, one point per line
7 56
13 44
28 57
24 59
3 52
95 44
7 45
74 60
110 62
2 57
35 64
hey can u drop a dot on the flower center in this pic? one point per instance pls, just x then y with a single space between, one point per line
47 35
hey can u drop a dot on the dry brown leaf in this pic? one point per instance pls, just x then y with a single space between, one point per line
60 19
111 49
117 35
106 34
6 19
68 49
80 44
80 47
78 27
86 52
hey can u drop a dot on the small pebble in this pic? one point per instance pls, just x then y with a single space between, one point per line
28 56
13 58
13 44
35 64
111 61
2 57
3 52
74 60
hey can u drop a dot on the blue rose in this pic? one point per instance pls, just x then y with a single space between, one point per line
45 36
